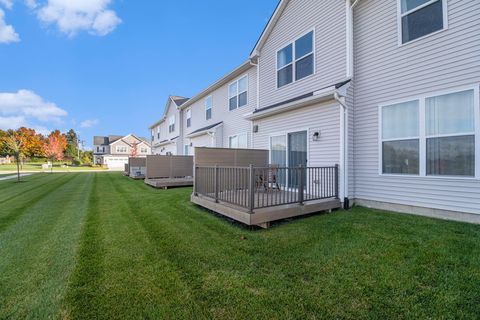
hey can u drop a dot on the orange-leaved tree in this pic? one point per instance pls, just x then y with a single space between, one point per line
55 146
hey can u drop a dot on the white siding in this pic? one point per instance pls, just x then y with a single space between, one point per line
233 121
386 72
324 118
299 17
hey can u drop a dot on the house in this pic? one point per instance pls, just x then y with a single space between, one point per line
5 160
167 133
385 92
114 151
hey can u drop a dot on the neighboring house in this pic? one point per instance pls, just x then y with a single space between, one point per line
6 160
215 117
388 90
167 133
114 151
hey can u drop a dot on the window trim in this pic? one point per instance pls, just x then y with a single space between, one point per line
117 147
236 135
237 81
423 136
188 117
171 125
294 59
400 15
211 107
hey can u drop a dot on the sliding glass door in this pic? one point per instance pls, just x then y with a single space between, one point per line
289 150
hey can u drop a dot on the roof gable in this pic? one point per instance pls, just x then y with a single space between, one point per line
282 4
177 101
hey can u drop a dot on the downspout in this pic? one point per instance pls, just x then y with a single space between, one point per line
257 96
343 150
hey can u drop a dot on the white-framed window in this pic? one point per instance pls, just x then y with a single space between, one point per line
208 107
121 149
419 18
143 150
189 118
434 135
171 124
238 141
296 60
238 93
158 132
186 150
153 134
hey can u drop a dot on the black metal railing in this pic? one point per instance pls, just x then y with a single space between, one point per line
260 187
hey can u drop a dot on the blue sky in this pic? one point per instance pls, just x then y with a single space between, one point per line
107 66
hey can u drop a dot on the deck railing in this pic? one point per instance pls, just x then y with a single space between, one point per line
260 187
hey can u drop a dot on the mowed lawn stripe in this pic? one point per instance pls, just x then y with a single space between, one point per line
12 187
11 211
38 252
119 274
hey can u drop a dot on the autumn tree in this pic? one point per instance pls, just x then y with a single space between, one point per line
134 152
33 142
55 146
13 144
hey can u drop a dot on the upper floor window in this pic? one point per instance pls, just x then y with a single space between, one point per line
208 108
296 60
421 17
189 118
237 93
432 136
158 132
143 150
121 149
171 124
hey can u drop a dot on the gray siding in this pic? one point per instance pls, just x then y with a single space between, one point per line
386 72
324 118
298 18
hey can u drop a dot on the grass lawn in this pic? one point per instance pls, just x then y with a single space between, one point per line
38 167
99 245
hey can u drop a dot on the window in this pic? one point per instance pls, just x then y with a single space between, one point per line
143 150
450 134
431 136
189 118
237 93
208 108
153 134
419 18
121 149
158 132
239 141
171 124
400 138
186 151
296 60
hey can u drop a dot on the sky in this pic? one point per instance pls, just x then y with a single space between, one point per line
106 67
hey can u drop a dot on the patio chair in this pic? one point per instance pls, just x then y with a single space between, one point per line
269 180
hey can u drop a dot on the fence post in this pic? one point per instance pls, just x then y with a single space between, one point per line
337 167
301 187
195 181
215 178
251 189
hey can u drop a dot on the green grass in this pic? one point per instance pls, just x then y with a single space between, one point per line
98 245
38 167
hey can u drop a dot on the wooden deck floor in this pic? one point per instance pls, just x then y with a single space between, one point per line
271 210
166 183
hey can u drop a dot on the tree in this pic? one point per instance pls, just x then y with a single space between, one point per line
55 146
13 143
72 150
134 152
87 157
33 142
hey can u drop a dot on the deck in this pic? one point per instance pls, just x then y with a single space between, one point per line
263 216
165 183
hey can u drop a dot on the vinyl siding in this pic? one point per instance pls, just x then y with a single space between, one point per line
298 18
324 118
385 71
233 121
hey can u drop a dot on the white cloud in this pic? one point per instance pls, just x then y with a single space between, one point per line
7 32
73 16
12 122
89 123
28 104
7 3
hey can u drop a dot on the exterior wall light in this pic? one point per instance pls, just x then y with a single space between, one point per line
316 136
